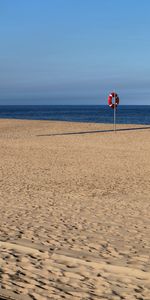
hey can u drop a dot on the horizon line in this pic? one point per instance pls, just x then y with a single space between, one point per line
72 105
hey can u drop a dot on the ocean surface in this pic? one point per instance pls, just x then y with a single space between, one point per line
126 114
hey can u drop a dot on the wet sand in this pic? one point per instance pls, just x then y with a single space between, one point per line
75 211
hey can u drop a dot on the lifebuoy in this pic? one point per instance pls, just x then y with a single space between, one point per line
110 97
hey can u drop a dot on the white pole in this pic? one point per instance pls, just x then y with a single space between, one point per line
114 114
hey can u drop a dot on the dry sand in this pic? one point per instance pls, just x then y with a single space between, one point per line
75 211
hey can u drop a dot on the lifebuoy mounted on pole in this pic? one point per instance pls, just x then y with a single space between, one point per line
116 100
113 105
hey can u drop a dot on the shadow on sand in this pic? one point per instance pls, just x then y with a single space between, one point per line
94 131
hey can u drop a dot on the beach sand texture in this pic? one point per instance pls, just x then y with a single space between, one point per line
75 211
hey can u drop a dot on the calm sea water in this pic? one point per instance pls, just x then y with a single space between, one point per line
85 113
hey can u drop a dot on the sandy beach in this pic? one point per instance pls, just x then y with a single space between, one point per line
75 211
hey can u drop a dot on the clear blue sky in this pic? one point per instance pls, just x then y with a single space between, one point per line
74 51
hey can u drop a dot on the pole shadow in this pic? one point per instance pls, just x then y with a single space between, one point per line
95 131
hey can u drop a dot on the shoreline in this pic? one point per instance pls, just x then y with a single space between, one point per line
73 122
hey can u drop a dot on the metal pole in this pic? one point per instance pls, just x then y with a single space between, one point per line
114 114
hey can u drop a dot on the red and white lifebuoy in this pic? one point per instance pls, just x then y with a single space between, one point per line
110 97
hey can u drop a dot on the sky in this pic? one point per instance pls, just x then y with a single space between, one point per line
74 51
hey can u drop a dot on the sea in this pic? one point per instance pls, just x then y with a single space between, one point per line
125 114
